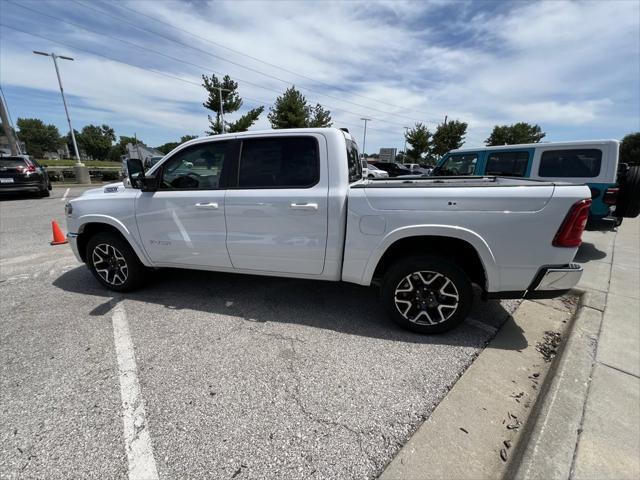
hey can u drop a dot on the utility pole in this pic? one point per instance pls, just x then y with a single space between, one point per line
7 129
81 171
220 90
364 138
404 150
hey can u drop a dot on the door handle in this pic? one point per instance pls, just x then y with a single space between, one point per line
211 205
304 206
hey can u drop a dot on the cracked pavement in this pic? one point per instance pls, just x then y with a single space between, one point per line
241 376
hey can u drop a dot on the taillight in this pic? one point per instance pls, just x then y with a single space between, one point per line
611 196
570 232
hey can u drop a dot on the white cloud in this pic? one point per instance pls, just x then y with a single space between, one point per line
567 66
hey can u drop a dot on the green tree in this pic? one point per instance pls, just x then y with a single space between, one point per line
419 137
630 149
38 136
520 132
448 136
120 148
319 117
231 102
96 141
291 110
167 147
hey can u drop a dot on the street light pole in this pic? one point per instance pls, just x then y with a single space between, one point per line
364 138
81 171
404 151
4 116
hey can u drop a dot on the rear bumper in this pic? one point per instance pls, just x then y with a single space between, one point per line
22 187
604 224
549 282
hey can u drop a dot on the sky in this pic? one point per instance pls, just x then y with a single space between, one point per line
571 67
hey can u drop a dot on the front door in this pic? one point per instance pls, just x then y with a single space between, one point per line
277 209
182 223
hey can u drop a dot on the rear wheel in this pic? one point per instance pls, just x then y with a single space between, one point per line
628 202
114 263
427 294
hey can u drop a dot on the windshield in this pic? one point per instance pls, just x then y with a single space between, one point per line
457 165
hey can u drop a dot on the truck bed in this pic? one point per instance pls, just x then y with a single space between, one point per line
484 181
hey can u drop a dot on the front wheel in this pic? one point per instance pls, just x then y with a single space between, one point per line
114 263
427 294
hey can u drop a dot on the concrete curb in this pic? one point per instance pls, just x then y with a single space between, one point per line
547 444
476 430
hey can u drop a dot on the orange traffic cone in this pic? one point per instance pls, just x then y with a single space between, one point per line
58 236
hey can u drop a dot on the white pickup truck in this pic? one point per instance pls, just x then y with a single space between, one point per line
293 203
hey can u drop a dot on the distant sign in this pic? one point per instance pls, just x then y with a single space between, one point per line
388 154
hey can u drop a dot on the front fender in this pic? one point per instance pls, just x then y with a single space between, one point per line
126 232
487 258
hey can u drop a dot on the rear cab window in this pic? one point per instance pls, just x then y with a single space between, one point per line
573 163
353 161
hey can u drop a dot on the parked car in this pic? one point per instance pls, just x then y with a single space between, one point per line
615 190
293 203
369 170
393 169
415 168
22 174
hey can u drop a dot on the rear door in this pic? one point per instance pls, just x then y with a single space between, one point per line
276 209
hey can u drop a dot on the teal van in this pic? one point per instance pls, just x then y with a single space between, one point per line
594 163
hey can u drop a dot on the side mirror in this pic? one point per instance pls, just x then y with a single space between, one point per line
135 172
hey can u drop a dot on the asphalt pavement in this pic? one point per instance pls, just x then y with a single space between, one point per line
239 376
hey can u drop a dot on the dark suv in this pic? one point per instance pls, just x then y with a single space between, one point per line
22 174
393 169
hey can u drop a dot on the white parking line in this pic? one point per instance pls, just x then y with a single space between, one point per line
142 464
64 196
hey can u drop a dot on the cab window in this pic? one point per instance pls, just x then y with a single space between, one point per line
459 164
508 164
279 162
198 167
355 166
584 162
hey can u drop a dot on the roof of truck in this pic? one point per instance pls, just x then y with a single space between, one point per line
272 131
534 145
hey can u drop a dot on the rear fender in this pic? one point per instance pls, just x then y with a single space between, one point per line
487 258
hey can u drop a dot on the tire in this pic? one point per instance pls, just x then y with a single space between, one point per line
445 299
628 203
121 269
370 176
45 193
